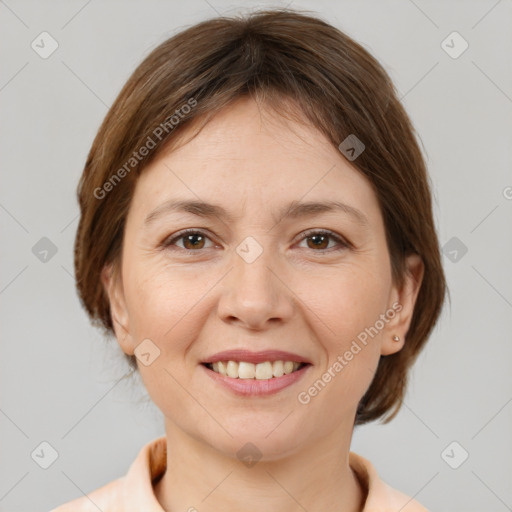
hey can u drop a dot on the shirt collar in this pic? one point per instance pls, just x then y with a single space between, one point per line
151 462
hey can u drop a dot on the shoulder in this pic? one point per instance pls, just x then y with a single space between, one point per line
107 498
133 492
380 496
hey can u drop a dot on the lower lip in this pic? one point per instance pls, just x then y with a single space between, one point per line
256 387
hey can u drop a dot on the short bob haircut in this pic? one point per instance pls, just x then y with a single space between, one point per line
300 66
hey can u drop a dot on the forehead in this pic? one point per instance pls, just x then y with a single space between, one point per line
247 155
242 129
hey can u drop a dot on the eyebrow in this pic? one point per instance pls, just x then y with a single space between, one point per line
293 210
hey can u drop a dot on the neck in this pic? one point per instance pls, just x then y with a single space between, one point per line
315 478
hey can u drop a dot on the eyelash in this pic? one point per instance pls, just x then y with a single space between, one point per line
307 234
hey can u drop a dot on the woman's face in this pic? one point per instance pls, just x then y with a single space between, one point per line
250 277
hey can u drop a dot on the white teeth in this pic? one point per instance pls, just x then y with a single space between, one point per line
232 369
277 369
288 367
246 370
222 368
260 371
264 370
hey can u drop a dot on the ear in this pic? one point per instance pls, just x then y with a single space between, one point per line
113 285
402 302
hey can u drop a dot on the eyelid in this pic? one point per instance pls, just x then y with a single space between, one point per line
342 242
168 241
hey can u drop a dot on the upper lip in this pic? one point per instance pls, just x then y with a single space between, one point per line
255 357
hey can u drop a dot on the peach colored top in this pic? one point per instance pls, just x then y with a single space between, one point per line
134 491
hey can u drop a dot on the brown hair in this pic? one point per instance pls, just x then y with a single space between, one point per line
274 56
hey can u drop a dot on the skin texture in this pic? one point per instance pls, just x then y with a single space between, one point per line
192 302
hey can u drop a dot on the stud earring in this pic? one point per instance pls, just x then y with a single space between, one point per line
396 338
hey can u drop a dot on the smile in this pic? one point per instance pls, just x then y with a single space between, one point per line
255 379
261 371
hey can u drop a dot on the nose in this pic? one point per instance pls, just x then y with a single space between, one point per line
255 294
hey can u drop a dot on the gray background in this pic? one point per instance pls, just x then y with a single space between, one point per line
60 380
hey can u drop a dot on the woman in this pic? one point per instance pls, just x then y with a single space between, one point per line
256 230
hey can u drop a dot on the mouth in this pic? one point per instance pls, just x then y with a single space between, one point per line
248 373
265 370
261 379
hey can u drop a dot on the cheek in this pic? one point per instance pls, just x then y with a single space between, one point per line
351 307
352 357
164 305
351 300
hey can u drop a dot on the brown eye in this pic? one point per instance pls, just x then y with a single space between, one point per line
319 241
192 240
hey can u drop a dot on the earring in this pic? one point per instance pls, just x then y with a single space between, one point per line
396 338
